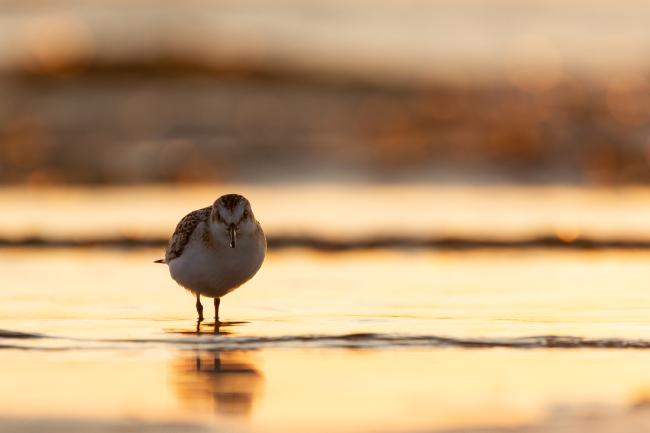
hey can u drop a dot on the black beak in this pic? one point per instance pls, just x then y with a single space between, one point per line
232 229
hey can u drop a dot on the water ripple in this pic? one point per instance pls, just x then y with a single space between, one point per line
209 341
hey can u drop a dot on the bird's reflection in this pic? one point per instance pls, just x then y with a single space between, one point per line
218 328
228 382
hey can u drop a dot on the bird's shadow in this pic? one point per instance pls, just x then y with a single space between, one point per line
207 328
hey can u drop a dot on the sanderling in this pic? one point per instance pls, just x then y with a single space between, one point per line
216 249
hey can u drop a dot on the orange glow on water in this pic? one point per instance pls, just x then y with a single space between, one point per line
485 212
119 355
326 391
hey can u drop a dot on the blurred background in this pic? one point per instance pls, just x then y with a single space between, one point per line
470 91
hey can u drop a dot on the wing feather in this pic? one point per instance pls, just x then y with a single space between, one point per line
184 231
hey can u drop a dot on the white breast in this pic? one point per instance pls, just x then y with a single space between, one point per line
214 270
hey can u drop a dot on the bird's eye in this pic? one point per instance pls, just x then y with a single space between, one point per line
245 214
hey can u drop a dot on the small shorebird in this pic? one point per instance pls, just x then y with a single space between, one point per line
216 249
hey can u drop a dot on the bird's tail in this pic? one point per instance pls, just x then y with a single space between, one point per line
160 261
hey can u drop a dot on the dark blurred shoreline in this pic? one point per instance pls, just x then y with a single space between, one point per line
333 245
170 122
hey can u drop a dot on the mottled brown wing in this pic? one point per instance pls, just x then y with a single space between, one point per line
183 231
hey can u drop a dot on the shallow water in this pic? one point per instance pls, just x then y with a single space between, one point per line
372 342
517 340
95 295
322 390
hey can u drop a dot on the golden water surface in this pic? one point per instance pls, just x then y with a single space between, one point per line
121 353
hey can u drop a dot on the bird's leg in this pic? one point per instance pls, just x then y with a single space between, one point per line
199 307
217 301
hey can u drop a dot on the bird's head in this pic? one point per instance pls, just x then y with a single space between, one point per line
231 215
